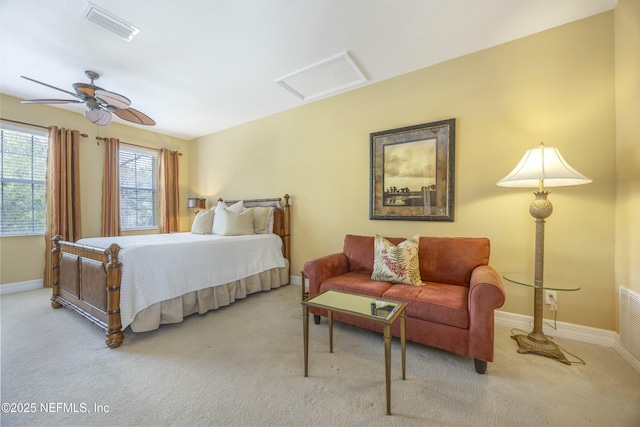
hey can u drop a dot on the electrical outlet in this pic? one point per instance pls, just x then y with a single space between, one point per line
548 299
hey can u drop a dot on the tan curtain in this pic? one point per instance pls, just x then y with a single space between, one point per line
169 192
111 188
62 191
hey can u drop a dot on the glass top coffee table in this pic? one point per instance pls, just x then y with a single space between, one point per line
382 311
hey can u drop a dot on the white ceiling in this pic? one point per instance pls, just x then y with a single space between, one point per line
200 66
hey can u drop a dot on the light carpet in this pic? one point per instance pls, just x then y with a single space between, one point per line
242 365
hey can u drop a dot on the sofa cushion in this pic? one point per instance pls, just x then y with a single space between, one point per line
396 263
359 252
434 302
451 259
355 283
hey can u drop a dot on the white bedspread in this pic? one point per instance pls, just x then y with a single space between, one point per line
159 267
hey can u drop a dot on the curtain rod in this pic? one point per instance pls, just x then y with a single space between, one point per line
34 125
99 138
24 123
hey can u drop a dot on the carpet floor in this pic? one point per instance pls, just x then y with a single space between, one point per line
242 365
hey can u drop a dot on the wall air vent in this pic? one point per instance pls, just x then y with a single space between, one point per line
630 321
109 22
327 77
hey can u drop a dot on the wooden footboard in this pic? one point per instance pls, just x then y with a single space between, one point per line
86 280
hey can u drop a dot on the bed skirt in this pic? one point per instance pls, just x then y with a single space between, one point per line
176 309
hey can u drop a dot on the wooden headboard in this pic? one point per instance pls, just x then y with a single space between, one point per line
281 217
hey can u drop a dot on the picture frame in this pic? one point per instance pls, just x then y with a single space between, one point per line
412 172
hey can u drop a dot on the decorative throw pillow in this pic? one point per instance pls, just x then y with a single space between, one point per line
397 264
261 217
236 224
203 222
218 220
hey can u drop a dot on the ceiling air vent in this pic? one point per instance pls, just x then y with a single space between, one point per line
109 22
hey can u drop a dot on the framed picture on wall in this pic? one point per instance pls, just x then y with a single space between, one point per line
412 172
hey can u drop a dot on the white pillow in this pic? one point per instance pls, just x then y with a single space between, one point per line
218 224
236 224
203 222
261 217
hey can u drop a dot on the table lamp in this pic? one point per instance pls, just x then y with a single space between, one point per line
540 167
196 204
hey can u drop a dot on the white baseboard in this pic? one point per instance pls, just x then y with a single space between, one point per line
570 331
12 288
295 280
630 358
564 330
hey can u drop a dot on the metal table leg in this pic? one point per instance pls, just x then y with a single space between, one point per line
387 364
330 316
305 332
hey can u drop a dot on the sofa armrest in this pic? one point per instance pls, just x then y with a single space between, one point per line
323 268
486 293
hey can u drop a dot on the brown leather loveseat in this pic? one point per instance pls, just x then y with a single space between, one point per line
452 311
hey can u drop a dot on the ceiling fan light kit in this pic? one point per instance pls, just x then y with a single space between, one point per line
98 117
101 104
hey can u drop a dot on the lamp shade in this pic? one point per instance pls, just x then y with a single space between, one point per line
544 164
196 203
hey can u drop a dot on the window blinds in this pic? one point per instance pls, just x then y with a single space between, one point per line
138 187
23 168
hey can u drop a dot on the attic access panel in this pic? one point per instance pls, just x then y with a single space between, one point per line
330 76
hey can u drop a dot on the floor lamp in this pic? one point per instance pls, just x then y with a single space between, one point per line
540 167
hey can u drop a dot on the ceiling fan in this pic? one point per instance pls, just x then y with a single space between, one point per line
100 103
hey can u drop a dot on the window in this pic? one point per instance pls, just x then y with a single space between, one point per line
23 169
138 189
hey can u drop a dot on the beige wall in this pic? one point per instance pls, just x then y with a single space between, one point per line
556 87
627 45
22 258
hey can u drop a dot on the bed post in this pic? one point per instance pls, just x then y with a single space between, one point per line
287 233
55 270
115 336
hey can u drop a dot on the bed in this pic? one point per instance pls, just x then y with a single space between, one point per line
141 282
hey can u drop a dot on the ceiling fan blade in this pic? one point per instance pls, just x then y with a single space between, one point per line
52 87
52 101
85 90
112 98
134 116
98 116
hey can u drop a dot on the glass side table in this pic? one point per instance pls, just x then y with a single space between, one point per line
536 341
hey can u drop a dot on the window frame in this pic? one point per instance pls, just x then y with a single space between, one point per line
155 155
43 136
